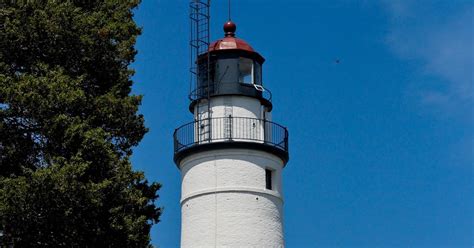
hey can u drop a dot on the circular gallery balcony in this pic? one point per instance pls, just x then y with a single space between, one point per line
230 132
225 89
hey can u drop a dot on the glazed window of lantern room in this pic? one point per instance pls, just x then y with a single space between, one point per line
258 73
246 71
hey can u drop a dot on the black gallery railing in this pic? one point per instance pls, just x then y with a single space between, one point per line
229 129
222 88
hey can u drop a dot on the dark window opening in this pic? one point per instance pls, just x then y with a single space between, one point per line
268 179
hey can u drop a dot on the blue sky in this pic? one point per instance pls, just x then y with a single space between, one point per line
381 144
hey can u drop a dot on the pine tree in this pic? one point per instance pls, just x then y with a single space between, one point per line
68 123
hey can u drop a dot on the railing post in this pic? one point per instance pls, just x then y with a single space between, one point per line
231 127
264 131
175 141
209 126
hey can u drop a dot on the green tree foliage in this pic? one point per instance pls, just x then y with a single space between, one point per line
68 124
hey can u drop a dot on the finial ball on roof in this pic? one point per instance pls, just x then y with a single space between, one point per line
229 28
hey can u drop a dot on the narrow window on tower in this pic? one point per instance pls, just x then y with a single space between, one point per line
268 179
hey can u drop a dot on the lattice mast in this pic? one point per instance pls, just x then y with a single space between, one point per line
199 44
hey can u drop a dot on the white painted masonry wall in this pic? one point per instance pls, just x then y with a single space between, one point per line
224 201
242 106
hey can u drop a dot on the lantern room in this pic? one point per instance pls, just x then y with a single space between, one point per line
235 68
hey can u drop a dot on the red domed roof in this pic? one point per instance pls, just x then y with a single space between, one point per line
229 41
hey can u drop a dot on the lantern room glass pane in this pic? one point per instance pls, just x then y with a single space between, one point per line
226 71
245 71
258 73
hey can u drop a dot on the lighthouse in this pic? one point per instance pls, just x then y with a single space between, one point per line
231 156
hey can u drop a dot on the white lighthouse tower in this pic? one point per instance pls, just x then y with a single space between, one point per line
232 155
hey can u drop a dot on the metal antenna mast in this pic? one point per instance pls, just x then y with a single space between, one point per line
199 44
229 10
